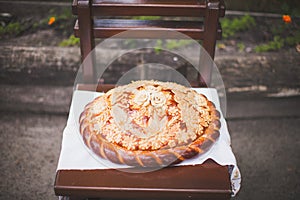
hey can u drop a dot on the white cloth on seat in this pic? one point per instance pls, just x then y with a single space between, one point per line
75 155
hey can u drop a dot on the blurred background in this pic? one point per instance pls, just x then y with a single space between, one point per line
258 58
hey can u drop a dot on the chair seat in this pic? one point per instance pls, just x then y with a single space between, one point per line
104 28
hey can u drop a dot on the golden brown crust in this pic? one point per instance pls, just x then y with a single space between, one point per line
106 139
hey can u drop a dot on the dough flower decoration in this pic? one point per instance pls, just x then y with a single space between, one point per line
158 99
151 96
142 98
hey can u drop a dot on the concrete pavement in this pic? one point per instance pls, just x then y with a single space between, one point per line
30 145
264 131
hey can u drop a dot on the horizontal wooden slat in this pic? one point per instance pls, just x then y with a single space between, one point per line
94 87
209 181
164 2
187 8
105 28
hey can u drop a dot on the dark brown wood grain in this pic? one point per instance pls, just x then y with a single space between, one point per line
106 28
193 8
208 180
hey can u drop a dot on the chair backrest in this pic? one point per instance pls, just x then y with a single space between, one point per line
87 27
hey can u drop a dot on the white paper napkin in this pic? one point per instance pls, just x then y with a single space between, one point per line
75 155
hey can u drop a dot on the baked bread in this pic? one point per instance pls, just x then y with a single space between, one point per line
150 124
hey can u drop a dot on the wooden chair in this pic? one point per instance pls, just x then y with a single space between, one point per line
208 180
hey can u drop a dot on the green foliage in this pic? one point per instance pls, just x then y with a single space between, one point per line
61 19
63 25
130 43
290 6
293 40
158 46
231 26
275 44
241 46
171 44
146 17
278 42
66 14
12 29
35 25
71 41
175 44
278 29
